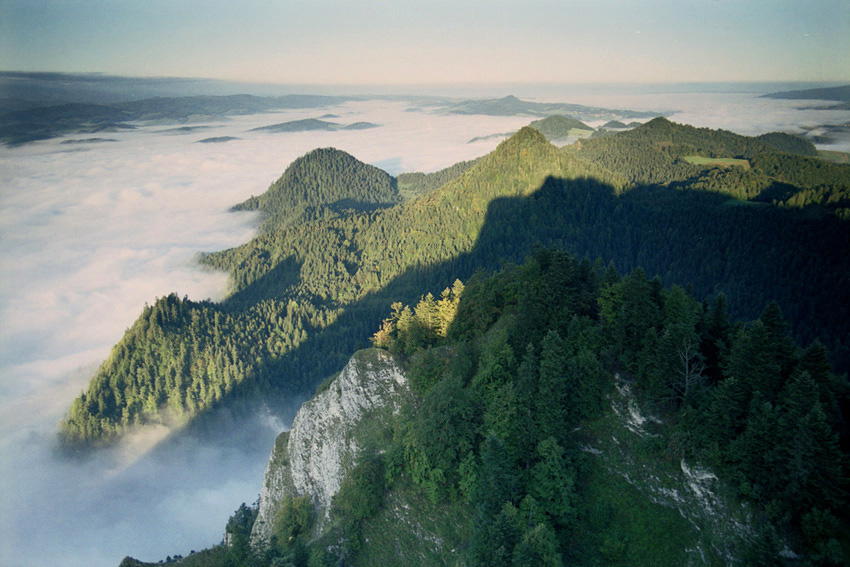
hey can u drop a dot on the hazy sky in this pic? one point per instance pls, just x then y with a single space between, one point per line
433 41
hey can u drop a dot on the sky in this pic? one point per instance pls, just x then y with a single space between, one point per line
405 42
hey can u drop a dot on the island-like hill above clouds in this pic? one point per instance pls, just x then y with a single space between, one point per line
512 106
559 127
310 124
325 178
841 94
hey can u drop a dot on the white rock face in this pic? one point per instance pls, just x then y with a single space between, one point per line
691 490
314 455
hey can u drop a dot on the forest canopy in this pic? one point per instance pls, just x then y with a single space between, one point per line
339 245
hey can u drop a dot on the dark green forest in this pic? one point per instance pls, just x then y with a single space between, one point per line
509 382
512 376
339 245
559 127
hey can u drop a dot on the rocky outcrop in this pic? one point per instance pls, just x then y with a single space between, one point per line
322 445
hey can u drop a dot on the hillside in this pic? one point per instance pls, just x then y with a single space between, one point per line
558 414
307 293
779 168
323 180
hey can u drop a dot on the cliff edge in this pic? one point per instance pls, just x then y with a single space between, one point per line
314 455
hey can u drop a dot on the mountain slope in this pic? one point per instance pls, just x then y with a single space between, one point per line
306 293
519 441
320 447
775 167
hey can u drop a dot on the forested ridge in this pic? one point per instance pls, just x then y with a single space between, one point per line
514 377
318 279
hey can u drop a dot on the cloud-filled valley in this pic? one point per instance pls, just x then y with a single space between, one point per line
93 231
90 234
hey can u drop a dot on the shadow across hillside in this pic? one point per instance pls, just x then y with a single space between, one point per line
694 239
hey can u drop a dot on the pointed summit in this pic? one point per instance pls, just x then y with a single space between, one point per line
527 135
324 177
528 146
659 123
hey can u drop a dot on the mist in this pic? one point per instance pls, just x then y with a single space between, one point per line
93 231
90 233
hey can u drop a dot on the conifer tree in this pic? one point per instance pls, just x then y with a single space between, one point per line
551 415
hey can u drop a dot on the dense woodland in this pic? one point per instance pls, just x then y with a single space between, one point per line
513 372
338 247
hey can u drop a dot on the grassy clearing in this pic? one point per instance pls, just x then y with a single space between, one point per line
721 162
834 157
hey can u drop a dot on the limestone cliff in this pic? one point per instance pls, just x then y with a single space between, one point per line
320 447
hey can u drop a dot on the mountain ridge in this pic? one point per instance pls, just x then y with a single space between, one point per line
303 290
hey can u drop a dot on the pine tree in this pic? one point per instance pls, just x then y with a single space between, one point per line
551 415
754 366
553 482
715 338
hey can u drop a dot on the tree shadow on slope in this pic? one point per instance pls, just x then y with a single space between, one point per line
690 238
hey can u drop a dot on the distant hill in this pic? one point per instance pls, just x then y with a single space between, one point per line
559 127
88 141
614 124
304 125
841 94
217 140
361 126
309 124
31 124
512 106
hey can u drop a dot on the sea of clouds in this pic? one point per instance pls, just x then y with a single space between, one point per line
90 232
93 231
